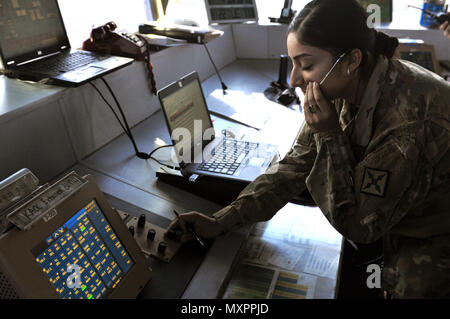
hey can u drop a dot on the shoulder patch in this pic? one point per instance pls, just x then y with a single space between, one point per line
374 182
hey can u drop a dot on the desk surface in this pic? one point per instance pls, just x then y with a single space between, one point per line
125 177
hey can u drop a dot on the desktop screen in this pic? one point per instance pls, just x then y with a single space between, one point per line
87 240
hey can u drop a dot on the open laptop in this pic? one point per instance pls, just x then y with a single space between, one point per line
197 148
34 45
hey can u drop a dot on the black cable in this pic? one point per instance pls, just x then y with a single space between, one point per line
151 153
224 87
126 128
110 107
158 161
130 135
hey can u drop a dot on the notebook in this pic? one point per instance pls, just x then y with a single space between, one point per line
197 148
34 46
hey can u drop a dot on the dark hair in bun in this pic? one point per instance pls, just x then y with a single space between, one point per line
339 26
385 44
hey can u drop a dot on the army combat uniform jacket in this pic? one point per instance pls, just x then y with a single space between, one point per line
384 174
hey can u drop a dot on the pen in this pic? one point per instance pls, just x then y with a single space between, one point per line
197 237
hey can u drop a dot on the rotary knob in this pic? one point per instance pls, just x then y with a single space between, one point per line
162 248
170 234
131 229
151 234
141 221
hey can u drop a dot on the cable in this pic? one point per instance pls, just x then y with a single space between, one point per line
151 153
110 107
148 64
224 87
158 161
130 135
126 127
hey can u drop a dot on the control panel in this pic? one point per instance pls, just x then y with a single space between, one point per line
152 239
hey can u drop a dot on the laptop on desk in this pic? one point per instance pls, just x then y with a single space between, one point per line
34 46
197 148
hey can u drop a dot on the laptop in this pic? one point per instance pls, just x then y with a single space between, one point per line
34 46
197 149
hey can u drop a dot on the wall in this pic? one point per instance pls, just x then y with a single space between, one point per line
269 41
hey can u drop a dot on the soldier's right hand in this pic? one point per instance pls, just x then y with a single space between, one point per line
204 226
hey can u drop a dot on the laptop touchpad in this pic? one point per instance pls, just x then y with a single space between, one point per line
257 161
91 70
83 73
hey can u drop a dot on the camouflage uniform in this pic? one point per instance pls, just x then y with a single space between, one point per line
385 175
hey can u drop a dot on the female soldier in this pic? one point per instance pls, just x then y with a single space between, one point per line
374 153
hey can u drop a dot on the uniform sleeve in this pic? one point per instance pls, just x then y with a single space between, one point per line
268 193
366 199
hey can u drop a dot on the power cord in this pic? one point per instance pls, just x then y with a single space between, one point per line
224 87
125 126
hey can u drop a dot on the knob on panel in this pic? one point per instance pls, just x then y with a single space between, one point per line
141 221
162 248
131 229
171 234
151 234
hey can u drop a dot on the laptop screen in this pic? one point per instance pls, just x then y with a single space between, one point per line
186 112
30 28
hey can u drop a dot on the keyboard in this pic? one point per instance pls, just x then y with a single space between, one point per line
227 156
63 63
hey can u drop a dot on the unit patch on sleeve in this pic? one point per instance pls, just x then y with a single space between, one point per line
374 182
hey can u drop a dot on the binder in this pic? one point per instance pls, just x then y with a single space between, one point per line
190 34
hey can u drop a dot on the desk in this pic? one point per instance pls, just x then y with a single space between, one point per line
132 183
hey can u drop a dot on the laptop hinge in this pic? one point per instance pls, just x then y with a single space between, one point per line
39 58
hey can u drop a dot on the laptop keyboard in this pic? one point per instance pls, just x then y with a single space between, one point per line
63 63
227 156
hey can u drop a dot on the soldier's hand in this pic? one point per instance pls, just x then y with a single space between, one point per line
204 226
446 28
320 114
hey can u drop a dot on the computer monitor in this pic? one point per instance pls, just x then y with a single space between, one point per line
71 244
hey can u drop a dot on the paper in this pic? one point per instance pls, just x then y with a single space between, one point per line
276 254
250 282
291 285
258 282
323 262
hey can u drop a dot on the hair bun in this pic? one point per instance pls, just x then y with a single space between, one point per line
384 44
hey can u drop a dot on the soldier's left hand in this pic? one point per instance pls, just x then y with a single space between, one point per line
446 28
320 114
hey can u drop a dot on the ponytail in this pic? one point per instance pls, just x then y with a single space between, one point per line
384 44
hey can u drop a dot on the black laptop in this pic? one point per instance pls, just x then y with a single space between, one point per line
34 46
197 148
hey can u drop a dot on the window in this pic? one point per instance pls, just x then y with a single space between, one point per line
272 8
81 15
179 10
403 16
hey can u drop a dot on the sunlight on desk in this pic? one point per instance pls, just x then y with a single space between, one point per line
253 108
290 256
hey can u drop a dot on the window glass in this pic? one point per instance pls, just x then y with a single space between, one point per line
194 10
81 15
